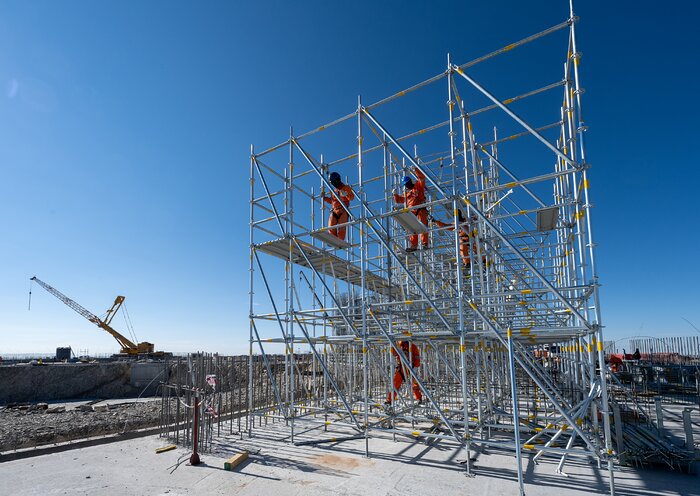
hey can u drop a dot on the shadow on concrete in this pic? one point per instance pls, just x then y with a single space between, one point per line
238 470
627 480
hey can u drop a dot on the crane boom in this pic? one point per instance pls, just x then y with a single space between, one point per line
73 304
127 345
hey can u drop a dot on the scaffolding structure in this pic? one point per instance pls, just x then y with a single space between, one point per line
511 342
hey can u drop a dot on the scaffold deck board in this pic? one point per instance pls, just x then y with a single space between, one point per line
331 240
547 218
410 222
326 263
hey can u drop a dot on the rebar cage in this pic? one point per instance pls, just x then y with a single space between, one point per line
502 304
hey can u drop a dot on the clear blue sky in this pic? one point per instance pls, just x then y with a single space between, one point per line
125 129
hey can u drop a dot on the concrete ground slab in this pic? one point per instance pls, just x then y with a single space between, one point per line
397 468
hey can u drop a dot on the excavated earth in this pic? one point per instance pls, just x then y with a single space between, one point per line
26 426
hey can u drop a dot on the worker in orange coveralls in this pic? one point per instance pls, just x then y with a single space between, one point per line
412 355
414 195
339 215
463 236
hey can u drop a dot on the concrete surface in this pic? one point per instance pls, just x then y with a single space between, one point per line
132 468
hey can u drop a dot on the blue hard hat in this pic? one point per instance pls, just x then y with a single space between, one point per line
406 180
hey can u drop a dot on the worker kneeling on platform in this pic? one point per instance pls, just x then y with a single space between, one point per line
339 211
412 354
414 196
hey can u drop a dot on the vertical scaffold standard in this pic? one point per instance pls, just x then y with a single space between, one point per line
499 300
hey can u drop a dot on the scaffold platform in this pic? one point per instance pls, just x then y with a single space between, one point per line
306 255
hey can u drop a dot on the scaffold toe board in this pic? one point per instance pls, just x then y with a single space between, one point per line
410 222
331 240
306 255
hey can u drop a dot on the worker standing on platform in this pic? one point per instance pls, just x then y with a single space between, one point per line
463 235
467 246
412 355
414 196
339 214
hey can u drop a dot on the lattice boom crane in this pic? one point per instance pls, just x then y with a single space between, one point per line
127 346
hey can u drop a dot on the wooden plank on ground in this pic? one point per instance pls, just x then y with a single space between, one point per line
235 460
166 448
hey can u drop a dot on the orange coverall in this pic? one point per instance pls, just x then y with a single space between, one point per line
338 214
400 374
463 239
413 198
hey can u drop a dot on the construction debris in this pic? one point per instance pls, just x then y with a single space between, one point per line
25 426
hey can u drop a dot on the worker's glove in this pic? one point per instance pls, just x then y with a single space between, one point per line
431 218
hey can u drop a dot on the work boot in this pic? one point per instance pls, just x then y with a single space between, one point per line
411 249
